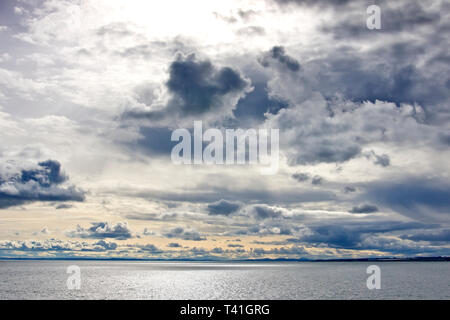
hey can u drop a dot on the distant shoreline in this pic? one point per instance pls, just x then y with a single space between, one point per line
412 259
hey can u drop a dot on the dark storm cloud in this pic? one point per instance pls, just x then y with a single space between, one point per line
349 189
414 197
155 140
382 160
119 231
208 194
445 138
258 102
223 207
335 132
184 234
40 183
352 235
234 245
197 84
147 248
265 212
197 87
333 236
278 53
48 175
300 177
174 245
398 71
394 72
442 236
401 246
352 77
329 152
316 180
365 208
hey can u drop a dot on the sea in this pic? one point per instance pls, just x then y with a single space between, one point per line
74 279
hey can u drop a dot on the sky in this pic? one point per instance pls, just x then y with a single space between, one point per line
91 90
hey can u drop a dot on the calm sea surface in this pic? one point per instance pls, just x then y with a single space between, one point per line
215 280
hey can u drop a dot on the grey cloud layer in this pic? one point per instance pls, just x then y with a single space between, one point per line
119 231
57 245
278 53
223 207
41 182
181 233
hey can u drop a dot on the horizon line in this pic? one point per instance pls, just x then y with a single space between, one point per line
416 258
